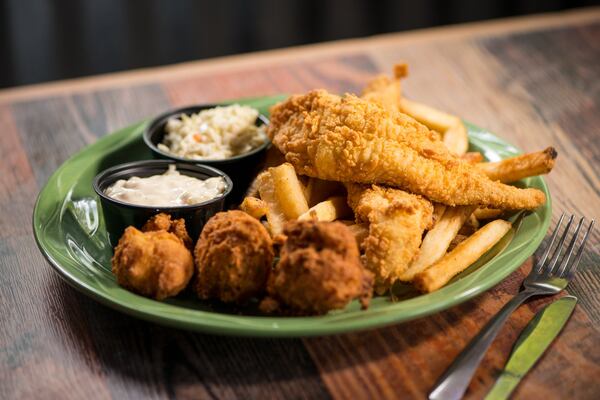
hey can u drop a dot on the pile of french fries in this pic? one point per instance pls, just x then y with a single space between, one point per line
284 197
459 235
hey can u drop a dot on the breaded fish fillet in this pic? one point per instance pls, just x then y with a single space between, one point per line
383 91
396 221
353 140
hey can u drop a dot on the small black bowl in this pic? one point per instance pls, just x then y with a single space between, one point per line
118 215
242 168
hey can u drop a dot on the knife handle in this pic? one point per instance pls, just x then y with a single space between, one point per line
504 386
454 382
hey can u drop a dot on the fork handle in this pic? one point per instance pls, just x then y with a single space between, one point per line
454 382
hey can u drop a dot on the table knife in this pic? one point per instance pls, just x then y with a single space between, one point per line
532 343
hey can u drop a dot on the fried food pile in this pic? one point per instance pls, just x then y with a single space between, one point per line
359 194
319 268
415 193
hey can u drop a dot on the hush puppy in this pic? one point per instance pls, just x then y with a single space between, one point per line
163 222
154 264
233 257
319 270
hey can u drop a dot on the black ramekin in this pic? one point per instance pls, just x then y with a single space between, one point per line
241 169
118 215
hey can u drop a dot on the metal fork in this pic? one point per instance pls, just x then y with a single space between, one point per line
546 278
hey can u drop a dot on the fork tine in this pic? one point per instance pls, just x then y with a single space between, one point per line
565 261
556 254
542 261
570 272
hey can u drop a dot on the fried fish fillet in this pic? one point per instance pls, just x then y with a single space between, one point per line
353 140
396 221
383 91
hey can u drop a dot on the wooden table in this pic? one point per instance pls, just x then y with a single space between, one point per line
534 81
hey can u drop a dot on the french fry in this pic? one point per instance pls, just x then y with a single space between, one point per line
275 216
436 241
328 210
452 128
483 213
256 208
519 167
438 212
456 139
472 157
472 221
273 158
288 191
463 255
428 116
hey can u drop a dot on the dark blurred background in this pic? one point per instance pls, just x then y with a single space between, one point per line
42 40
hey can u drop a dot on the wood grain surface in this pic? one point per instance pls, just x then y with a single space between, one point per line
533 81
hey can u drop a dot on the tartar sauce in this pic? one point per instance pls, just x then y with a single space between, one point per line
170 189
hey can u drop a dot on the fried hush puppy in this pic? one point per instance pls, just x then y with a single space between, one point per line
233 257
163 222
319 270
154 264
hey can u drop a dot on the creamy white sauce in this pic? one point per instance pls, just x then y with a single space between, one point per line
167 190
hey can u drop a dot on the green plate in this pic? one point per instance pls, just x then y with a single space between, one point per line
69 230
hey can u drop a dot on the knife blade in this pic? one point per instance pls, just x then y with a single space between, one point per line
531 344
